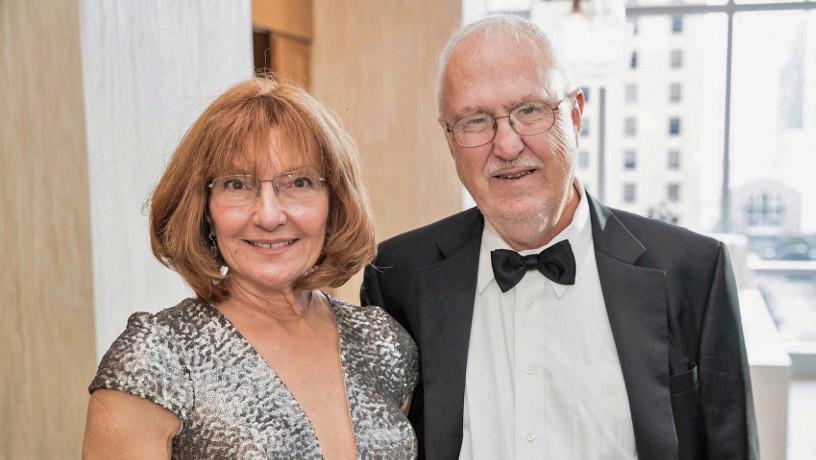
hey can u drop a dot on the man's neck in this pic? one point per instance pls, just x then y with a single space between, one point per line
536 237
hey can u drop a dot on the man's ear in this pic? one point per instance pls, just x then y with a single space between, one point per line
576 113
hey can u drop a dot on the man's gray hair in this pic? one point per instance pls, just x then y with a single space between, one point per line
514 26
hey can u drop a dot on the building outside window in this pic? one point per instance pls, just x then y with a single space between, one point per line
673 192
674 160
585 90
674 126
631 93
675 92
630 126
676 58
676 24
765 210
583 159
585 127
629 192
633 60
629 159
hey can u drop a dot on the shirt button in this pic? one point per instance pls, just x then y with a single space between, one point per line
530 437
530 370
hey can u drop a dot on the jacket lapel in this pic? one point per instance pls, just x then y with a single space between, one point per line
637 307
445 298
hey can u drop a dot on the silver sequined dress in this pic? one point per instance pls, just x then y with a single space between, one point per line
192 361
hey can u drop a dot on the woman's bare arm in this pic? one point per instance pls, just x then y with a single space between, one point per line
126 427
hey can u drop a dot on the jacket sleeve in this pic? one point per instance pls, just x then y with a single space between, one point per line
727 402
370 290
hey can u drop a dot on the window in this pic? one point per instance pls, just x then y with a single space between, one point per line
583 159
584 127
674 126
633 25
676 24
673 192
585 90
675 92
631 93
633 60
630 126
629 190
674 160
629 159
765 210
676 59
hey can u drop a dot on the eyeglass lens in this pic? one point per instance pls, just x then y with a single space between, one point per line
292 189
526 120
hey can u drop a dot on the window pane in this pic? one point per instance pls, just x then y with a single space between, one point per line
674 160
631 93
677 24
629 190
644 127
676 58
773 197
629 159
630 126
674 126
675 92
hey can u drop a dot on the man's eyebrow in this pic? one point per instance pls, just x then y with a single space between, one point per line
469 110
529 98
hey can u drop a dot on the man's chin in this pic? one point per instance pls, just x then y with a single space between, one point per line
525 214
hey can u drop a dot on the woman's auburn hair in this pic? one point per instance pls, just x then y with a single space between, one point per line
235 127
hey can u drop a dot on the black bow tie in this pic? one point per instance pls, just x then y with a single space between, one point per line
556 263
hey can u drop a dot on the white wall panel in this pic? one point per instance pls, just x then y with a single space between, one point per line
149 69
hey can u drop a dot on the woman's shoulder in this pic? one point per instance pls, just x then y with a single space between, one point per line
147 359
369 317
389 346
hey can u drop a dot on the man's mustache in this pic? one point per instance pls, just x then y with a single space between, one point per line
518 163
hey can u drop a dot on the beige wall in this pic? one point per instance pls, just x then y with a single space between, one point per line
46 325
374 64
289 17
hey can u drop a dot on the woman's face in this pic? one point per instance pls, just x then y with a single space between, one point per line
271 240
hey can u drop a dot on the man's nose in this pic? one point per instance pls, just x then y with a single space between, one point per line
507 144
269 213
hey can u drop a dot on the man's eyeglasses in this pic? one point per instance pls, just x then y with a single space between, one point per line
527 119
292 188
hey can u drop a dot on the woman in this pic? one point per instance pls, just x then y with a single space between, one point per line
261 204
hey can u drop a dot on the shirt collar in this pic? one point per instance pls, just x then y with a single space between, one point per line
578 232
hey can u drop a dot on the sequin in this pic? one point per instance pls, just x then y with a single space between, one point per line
190 360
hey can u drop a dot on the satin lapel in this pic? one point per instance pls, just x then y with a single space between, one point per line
636 304
446 293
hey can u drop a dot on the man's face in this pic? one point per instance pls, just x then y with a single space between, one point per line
521 184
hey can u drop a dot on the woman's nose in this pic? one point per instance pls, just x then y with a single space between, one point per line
269 213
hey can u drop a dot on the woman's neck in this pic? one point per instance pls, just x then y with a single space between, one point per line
283 305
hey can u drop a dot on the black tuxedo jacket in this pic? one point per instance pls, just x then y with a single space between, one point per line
672 304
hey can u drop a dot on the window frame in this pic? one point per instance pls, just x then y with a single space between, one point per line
730 8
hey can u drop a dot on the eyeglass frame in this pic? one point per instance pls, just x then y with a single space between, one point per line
320 179
449 126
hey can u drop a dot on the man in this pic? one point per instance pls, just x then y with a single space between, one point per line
609 336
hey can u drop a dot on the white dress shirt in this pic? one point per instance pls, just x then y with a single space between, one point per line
543 376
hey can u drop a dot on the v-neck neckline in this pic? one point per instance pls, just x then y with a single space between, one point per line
341 348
